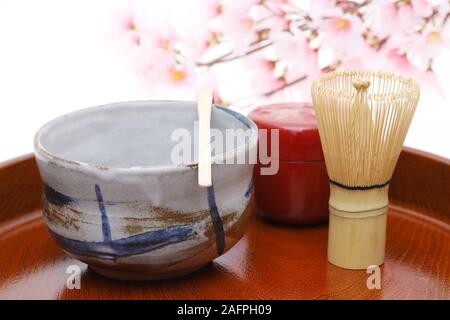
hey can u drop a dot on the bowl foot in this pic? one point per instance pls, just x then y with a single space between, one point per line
130 275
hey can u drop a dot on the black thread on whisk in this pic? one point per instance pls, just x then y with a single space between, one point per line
374 186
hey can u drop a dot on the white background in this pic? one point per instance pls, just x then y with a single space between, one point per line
55 58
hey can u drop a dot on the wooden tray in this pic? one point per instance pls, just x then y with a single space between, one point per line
270 262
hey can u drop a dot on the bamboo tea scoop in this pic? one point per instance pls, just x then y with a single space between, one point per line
204 104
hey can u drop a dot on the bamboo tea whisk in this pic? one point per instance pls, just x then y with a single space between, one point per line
363 118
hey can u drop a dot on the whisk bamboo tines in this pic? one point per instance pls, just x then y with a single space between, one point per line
363 118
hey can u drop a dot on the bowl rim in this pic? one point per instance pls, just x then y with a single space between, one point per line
43 154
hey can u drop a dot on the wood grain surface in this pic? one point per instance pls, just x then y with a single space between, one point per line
270 262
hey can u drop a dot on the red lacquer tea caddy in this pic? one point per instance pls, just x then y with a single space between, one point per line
298 193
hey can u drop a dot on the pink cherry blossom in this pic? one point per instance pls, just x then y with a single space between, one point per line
406 18
388 59
210 8
249 48
163 74
422 7
428 45
124 33
176 75
263 78
160 36
289 46
294 49
387 19
194 47
276 6
269 17
428 81
238 23
343 34
320 9
442 9
395 60
381 16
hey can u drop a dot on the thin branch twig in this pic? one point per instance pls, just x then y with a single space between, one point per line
286 85
226 57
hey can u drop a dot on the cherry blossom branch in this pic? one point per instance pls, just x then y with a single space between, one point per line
226 57
285 86
352 6
303 32
300 79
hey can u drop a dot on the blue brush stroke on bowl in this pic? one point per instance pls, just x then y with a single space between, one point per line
57 198
249 190
68 163
106 229
112 249
216 221
138 244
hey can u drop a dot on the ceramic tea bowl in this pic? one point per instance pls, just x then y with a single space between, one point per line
114 198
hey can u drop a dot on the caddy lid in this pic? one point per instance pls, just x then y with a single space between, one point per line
298 133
